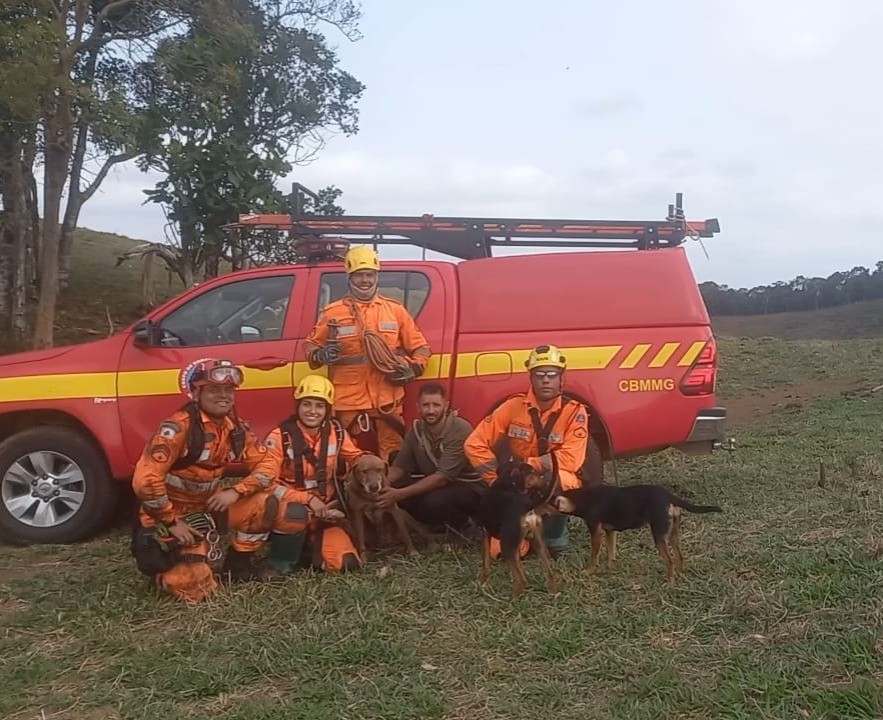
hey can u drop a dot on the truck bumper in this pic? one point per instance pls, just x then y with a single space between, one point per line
708 433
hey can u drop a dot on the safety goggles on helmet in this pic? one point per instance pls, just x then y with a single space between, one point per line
216 372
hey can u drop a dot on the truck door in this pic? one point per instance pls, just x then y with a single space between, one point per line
422 288
252 321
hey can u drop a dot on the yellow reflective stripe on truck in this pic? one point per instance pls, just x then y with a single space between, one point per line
140 383
52 387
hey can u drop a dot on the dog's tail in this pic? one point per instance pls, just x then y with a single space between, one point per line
690 507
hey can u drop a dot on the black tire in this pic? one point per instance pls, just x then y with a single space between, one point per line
593 468
98 488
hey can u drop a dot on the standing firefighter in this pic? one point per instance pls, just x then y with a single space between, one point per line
177 482
307 447
537 425
374 348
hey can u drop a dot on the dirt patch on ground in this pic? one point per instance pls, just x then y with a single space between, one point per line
748 410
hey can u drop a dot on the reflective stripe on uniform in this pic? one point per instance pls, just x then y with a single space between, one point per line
192 485
351 360
280 491
264 479
251 537
156 504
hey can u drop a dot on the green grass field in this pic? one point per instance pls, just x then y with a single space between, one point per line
778 616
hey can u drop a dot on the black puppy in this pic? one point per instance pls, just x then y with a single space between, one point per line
512 510
610 509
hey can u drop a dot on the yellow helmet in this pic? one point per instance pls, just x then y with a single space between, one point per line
361 257
545 356
315 386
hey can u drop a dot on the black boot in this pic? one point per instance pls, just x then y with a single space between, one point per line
241 567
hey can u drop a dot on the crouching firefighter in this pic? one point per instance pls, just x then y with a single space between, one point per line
537 425
183 508
308 446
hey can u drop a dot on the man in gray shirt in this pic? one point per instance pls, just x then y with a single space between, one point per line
430 477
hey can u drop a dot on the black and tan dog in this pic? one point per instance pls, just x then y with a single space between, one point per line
611 508
364 482
512 510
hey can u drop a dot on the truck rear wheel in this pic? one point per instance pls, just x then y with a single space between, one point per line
593 469
54 487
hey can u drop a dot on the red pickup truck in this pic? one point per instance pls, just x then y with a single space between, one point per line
633 326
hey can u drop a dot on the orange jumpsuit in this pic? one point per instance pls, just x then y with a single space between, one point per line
167 494
358 385
567 438
334 543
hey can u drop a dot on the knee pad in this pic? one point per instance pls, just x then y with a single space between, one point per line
296 512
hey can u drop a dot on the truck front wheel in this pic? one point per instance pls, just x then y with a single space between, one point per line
54 487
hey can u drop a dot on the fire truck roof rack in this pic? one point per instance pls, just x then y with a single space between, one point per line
470 238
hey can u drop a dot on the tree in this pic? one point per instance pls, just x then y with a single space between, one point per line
801 293
239 102
70 59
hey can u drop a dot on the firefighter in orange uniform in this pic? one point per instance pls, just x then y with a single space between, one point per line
177 482
373 348
307 447
538 424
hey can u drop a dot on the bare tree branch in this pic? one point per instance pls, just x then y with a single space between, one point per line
89 191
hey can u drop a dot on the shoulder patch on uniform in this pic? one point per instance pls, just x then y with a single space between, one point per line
270 442
169 429
160 454
581 418
580 433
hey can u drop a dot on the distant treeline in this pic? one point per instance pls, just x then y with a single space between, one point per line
802 293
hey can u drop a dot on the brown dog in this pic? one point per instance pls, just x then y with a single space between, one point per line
363 485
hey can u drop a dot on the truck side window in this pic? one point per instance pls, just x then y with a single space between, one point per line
238 312
409 287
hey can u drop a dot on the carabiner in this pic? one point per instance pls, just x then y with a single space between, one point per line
366 426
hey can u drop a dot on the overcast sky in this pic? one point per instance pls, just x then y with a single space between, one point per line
767 116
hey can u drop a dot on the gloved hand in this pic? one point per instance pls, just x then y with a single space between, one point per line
403 375
327 355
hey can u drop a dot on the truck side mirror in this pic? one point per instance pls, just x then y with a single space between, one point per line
145 334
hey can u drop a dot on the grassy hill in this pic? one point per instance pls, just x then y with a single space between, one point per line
863 319
98 290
